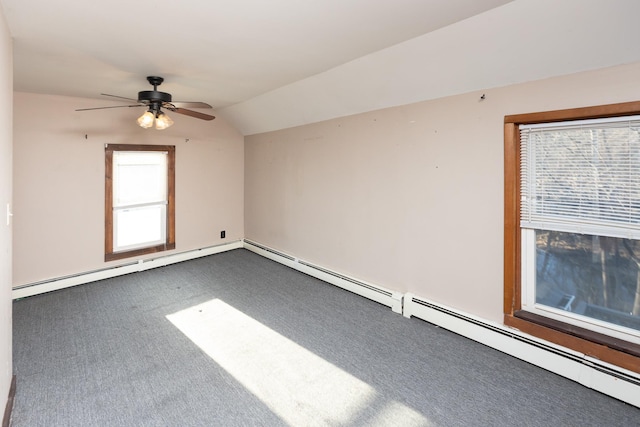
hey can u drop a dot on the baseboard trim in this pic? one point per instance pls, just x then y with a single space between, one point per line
371 291
32 289
608 379
8 409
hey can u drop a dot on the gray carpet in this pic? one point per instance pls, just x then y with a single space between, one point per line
238 340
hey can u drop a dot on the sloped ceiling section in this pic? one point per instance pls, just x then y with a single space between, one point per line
267 65
218 51
521 41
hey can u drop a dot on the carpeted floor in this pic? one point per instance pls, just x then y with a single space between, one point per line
238 340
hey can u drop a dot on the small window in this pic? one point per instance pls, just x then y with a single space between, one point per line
572 229
139 195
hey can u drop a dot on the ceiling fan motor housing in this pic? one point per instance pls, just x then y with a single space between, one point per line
153 96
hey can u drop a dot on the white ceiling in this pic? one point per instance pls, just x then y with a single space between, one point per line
265 65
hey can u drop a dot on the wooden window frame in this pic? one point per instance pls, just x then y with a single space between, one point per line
599 346
170 242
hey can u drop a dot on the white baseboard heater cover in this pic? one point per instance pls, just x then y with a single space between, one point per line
373 292
107 273
605 378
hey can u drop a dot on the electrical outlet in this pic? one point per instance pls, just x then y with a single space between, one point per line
223 234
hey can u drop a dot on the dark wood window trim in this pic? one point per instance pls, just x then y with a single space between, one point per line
170 242
602 347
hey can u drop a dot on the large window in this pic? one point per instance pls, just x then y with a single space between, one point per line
572 229
139 200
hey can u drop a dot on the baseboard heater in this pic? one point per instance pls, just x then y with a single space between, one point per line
31 289
368 290
608 379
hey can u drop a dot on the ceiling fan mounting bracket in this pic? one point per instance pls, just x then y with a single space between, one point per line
155 81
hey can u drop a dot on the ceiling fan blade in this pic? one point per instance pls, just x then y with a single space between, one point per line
191 113
183 104
114 106
120 97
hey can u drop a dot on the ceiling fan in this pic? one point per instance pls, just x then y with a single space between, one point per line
155 100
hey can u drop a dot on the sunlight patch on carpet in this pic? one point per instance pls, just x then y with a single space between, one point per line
297 385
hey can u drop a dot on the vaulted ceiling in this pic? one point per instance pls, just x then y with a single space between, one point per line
266 65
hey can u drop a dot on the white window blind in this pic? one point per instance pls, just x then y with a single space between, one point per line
582 176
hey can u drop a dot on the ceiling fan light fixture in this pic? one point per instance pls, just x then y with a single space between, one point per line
146 120
163 121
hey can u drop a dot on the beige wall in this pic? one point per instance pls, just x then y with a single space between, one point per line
6 99
411 197
59 182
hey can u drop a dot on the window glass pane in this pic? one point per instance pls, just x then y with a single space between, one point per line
139 177
594 277
139 227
